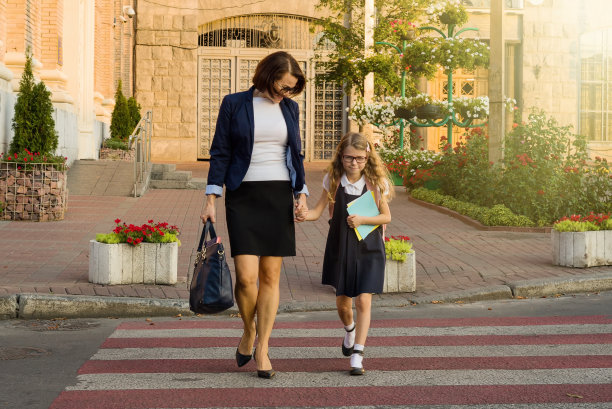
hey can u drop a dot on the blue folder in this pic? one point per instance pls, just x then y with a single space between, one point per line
364 205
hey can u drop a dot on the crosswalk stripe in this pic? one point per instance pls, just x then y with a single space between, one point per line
382 323
331 379
372 352
206 342
374 332
333 397
340 364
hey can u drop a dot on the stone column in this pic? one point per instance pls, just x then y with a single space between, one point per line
79 66
497 121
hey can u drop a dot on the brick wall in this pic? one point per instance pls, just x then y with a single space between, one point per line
103 66
2 28
51 33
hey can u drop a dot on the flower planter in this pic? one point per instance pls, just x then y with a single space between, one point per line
405 113
582 249
429 111
400 277
34 191
147 263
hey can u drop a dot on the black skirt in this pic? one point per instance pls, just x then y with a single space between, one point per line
260 219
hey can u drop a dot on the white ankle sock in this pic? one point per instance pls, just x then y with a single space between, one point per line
356 358
349 337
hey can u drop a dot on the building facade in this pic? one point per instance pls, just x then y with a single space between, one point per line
80 49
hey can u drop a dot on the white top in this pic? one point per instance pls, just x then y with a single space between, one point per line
349 188
269 158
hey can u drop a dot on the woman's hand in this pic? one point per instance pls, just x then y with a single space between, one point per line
209 209
354 221
301 208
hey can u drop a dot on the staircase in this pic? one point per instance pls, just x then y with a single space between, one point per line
101 178
165 176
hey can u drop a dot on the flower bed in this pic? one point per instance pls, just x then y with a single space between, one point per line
35 191
582 241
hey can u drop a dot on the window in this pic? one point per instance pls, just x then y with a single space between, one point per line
596 85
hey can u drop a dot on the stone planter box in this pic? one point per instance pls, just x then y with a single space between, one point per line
34 191
400 277
147 263
582 249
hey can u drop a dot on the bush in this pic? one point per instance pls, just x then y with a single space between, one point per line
33 120
121 122
134 110
115 144
498 215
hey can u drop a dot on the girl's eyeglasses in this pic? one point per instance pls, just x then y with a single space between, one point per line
350 159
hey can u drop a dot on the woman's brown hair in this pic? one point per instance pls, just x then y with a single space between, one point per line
374 171
273 67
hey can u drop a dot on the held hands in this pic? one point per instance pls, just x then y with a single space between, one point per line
354 221
301 209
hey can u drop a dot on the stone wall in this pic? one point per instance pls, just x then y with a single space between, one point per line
166 53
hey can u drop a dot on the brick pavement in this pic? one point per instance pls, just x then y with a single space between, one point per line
52 258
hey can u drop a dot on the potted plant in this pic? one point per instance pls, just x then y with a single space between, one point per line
582 241
131 254
377 113
448 12
452 53
400 269
406 107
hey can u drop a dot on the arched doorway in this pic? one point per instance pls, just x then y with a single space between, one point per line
229 50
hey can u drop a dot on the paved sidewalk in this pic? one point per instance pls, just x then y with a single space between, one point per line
454 260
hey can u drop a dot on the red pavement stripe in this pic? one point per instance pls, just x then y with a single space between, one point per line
333 397
435 322
340 364
449 340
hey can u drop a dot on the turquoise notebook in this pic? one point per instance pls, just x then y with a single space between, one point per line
364 205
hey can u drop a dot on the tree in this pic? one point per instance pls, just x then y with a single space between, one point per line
120 120
33 122
134 110
347 62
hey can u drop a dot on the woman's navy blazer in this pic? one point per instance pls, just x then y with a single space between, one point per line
232 145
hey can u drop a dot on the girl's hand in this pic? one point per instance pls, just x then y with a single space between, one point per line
354 221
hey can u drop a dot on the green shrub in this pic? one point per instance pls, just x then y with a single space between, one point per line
396 247
121 123
574 226
115 144
498 215
134 110
33 119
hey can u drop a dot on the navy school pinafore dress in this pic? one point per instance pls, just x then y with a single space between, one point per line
351 266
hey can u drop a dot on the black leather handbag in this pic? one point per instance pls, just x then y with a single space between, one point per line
211 285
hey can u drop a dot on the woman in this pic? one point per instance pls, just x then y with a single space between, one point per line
256 154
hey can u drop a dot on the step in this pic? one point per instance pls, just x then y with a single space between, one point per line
175 175
196 183
162 168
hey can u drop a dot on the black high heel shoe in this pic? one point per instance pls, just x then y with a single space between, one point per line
242 360
265 374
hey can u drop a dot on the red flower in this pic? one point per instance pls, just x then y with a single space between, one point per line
117 221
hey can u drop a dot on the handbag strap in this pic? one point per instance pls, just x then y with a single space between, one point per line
208 228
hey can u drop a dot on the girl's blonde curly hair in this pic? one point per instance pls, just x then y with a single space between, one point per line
375 171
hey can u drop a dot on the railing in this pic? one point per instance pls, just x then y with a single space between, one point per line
141 139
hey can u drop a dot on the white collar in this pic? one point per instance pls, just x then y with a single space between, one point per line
357 185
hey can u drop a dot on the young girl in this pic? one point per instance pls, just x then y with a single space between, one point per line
354 268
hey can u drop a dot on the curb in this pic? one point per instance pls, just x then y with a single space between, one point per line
552 286
39 306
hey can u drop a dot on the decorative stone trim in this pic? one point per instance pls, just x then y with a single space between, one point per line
400 277
582 249
147 263
36 193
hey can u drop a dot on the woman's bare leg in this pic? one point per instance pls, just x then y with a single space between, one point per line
344 305
267 306
247 270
